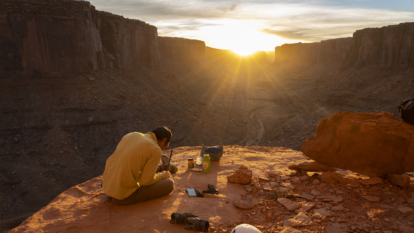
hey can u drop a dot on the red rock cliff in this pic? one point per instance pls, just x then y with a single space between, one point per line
387 46
391 46
66 37
182 50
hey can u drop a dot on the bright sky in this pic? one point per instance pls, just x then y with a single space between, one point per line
247 26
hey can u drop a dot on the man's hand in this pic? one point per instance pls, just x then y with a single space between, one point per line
166 175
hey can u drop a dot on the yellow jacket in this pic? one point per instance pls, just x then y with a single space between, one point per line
133 164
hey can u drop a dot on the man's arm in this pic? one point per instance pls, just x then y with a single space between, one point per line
148 175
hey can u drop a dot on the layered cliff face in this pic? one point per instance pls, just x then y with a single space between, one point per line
127 43
69 37
387 46
182 50
48 37
391 46
334 50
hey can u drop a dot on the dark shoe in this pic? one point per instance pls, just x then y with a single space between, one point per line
177 218
196 224
211 189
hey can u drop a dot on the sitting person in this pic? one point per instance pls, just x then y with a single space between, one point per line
130 172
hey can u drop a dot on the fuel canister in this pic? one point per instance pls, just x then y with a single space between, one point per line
206 163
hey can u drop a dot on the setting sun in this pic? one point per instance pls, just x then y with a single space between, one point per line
243 37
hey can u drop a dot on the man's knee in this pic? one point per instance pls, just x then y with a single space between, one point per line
169 185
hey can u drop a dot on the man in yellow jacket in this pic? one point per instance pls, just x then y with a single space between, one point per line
130 172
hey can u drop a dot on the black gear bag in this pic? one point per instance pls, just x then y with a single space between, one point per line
406 110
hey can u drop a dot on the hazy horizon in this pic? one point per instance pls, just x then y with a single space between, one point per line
247 26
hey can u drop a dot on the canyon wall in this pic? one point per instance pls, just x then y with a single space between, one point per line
69 37
390 46
299 54
181 49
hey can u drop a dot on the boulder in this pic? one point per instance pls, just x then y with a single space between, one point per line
244 203
374 144
331 177
242 175
311 166
399 180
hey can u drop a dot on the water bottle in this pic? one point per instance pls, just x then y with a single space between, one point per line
206 163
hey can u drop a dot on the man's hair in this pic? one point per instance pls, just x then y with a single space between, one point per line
162 132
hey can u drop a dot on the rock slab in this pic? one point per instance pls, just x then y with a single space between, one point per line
399 180
244 203
374 144
290 230
288 204
300 220
312 167
242 175
372 181
320 213
337 228
405 210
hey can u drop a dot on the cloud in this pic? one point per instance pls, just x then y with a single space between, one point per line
284 21
292 35
156 10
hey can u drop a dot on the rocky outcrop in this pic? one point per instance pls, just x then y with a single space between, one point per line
242 175
182 50
374 144
69 37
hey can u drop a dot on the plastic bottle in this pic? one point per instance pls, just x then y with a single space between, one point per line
206 163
